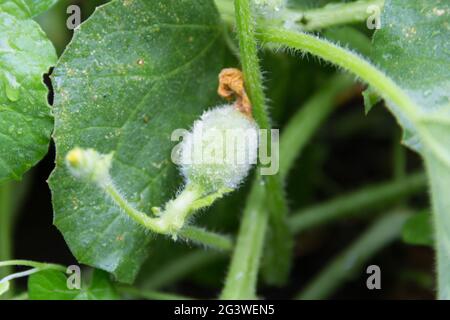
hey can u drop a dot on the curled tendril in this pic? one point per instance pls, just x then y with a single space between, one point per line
231 86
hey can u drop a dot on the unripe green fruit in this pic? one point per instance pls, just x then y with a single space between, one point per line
220 150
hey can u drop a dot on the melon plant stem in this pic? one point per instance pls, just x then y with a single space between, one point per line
243 273
250 62
346 59
271 194
197 235
439 176
249 245
207 238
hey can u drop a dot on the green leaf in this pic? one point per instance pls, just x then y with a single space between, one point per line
52 285
25 119
38 7
101 287
413 48
418 230
26 8
134 72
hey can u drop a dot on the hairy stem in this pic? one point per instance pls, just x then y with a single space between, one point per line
250 62
176 211
276 203
171 222
243 273
351 261
346 59
206 238
279 244
357 202
398 158
440 183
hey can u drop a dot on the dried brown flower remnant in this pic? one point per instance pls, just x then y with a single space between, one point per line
231 85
